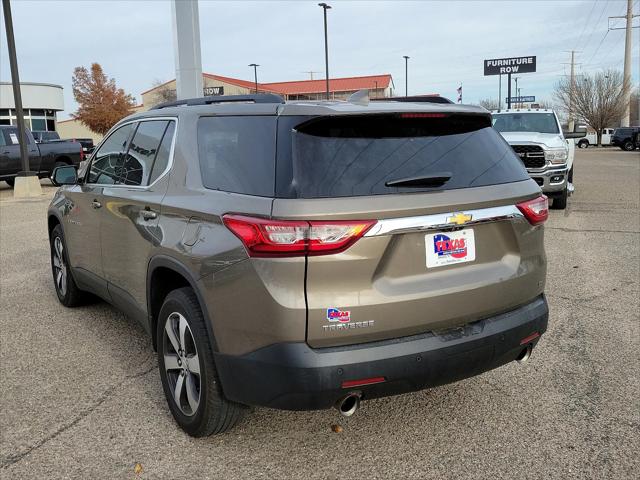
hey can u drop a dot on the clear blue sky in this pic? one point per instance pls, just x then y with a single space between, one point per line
447 41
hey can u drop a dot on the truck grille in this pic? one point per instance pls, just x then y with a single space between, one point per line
531 155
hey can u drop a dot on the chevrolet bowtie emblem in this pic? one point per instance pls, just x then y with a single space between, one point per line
459 219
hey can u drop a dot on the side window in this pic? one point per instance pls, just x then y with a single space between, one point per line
107 161
237 154
3 142
142 152
164 150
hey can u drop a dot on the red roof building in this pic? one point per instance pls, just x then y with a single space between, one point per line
339 88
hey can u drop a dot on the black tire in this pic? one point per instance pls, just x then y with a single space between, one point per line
560 202
11 182
583 143
214 413
59 163
71 295
628 146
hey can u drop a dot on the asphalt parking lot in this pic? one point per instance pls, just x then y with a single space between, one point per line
81 396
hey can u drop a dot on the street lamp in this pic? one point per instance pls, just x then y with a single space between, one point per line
255 73
406 75
326 7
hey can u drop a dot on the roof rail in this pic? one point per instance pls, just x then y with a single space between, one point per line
257 98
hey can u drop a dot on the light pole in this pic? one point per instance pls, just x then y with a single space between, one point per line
326 7
255 74
517 103
376 90
406 75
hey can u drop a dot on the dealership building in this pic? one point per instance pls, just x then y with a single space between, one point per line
40 102
339 89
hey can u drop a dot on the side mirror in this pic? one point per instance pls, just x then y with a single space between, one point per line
579 132
65 175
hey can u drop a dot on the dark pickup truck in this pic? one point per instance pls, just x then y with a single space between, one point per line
47 137
43 157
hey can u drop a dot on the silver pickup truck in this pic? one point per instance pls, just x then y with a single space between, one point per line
537 137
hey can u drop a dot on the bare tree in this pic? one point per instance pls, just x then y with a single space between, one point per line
489 104
163 92
598 99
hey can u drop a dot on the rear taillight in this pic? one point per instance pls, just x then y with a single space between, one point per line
536 210
289 238
81 153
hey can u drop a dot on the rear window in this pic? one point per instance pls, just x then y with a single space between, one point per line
237 154
385 154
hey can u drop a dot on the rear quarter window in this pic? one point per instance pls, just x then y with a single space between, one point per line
237 154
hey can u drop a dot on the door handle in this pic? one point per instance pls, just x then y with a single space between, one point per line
149 215
96 204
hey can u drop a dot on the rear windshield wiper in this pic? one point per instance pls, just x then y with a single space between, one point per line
433 180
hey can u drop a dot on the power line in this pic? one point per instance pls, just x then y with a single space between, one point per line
597 49
593 6
595 26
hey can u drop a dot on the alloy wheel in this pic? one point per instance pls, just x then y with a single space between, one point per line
181 363
59 267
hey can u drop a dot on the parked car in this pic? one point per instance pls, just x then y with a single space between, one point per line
306 255
591 139
46 136
43 158
537 137
623 137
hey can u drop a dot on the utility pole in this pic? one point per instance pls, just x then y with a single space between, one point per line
326 7
572 87
517 103
625 121
500 92
310 72
626 117
406 75
508 90
27 183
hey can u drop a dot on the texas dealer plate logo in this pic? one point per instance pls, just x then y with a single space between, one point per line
337 315
450 248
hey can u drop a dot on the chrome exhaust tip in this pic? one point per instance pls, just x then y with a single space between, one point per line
348 405
525 354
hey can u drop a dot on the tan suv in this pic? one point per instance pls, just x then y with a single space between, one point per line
304 255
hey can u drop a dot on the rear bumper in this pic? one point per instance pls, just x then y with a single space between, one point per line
294 376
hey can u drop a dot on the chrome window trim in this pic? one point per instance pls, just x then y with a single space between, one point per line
439 221
136 187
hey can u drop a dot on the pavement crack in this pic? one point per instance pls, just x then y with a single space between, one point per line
104 396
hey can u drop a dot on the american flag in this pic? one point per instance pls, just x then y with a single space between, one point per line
460 94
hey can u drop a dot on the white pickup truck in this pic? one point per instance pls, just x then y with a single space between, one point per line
591 139
546 151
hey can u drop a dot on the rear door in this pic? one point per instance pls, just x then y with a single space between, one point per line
449 246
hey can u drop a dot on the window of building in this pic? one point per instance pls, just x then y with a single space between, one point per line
38 124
